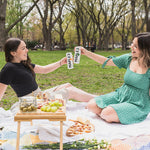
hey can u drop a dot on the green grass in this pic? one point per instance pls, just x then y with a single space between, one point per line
88 75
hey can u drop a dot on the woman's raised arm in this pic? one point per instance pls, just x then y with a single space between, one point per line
98 58
50 67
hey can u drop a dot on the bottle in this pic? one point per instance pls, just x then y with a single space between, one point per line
77 55
69 60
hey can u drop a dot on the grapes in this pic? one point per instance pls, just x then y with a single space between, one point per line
48 109
60 104
44 108
54 109
51 106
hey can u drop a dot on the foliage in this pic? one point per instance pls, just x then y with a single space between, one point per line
15 10
80 144
31 44
100 22
88 75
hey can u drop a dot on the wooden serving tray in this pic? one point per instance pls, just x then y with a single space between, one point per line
52 116
39 112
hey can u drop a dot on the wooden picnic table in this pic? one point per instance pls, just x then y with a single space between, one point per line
38 114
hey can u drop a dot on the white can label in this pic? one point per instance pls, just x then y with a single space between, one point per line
69 60
77 55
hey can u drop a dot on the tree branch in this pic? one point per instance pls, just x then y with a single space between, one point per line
29 10
38 8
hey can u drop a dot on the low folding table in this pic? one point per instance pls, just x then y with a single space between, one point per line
51 116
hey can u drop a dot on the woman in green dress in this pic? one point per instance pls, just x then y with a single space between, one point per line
131 102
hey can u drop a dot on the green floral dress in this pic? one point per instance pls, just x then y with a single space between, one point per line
131 101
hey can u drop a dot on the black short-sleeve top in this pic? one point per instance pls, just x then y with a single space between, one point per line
19 77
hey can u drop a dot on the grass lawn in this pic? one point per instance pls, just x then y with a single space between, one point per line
88 75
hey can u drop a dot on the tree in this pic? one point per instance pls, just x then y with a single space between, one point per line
48 18
106 16
124 29
3 30
85 28
61 30
140 16
73 7
147 14
3 34
133 18
15 9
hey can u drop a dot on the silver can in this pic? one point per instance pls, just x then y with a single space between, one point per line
77 55
69 60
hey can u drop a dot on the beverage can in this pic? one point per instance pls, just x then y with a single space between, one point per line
69 60
77 55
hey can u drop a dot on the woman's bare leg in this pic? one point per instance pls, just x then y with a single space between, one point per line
92 106
79 95
76 93
109 115
62 86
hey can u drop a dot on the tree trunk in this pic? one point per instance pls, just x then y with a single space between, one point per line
106 40
47 41
123 33
62 40
3 30
147 15
133 18
148 25
3 33
53 21
100 46
78 30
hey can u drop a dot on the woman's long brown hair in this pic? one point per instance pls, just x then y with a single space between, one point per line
144 47
11 45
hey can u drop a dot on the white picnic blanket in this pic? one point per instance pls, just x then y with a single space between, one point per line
50 131
103 130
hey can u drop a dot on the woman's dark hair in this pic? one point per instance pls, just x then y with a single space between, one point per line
144 47
12 45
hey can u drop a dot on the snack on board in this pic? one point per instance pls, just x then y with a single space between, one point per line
48 102
80 127
27 103
52 106
42 96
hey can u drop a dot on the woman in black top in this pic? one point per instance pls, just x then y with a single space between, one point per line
19 72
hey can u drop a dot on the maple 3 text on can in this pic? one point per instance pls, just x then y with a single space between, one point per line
69 60
77 55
